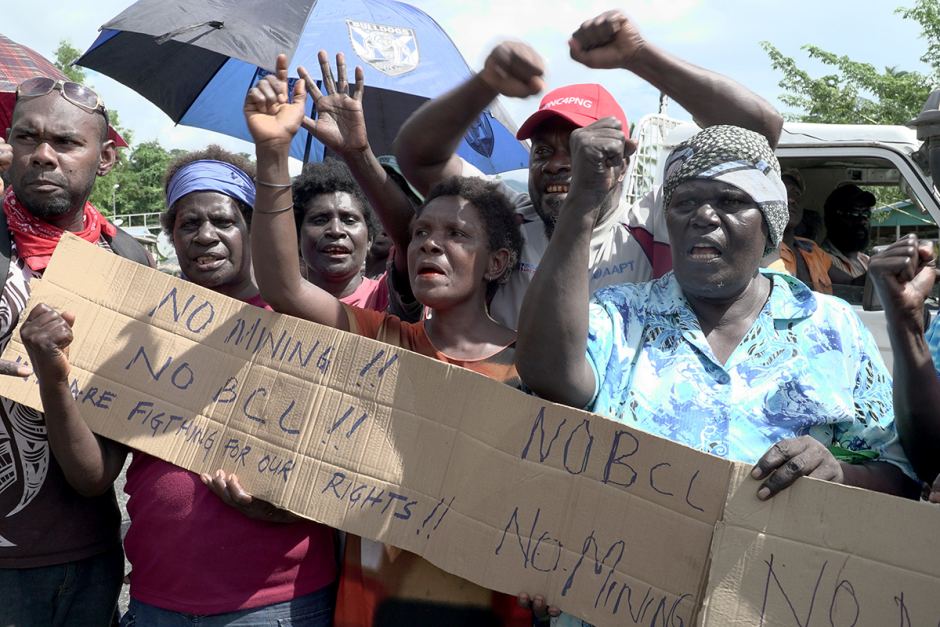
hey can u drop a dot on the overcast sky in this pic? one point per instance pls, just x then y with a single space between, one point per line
722 35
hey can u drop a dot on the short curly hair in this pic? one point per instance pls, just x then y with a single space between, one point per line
496 212
329 177
215 153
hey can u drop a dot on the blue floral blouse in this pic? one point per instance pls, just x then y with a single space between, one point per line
807 366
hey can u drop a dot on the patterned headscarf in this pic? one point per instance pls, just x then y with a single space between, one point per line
738 157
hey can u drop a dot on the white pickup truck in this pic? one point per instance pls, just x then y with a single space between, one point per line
828 155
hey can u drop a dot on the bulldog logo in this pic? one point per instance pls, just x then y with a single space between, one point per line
260 73
392 50
480 136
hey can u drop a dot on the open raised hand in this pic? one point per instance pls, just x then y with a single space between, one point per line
340 124
274 114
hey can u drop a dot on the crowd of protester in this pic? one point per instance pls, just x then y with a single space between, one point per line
660 315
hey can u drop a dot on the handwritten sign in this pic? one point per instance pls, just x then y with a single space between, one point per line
824 556
506 490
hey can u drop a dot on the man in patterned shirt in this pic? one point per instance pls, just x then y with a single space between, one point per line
904 274
60 547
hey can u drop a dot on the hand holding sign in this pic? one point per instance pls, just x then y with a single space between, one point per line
227 488
13 369
340 123
46 334
934 496
541 610
788 460
272 116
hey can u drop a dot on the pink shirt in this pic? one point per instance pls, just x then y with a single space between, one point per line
192 553
371 294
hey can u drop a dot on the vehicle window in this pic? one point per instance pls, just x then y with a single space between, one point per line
895 212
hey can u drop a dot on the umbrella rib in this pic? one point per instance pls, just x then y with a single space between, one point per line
162 39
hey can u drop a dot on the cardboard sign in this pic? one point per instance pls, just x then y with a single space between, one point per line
823 555
504 489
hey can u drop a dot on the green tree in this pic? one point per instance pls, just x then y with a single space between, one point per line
855 92
101 192
927 14
139 179
65 55
146 168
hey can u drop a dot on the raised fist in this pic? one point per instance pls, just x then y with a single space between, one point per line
599 146
903 275
609 40
597 158
514 69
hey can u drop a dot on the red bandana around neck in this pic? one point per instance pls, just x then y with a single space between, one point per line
36 239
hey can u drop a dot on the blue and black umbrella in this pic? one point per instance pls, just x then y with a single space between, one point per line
196 60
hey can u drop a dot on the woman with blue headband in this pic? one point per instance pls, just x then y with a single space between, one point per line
191 553
209 203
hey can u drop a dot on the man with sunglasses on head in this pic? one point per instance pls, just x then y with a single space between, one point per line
60 547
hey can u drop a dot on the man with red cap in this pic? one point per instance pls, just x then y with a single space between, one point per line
627 245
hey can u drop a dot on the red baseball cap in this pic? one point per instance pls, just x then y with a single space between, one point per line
579 104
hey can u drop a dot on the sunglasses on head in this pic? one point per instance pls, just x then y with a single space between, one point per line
79 95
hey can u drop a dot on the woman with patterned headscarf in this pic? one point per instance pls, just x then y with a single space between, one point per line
720 355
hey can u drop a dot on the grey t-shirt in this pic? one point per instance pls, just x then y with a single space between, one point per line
629 246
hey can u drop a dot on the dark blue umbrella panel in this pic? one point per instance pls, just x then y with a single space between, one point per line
196 60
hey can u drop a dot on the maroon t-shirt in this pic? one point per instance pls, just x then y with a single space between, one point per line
43 521
192 553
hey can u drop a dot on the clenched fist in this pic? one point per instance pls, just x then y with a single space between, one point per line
514 69
609 40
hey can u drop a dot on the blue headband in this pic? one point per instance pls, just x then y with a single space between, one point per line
211 176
